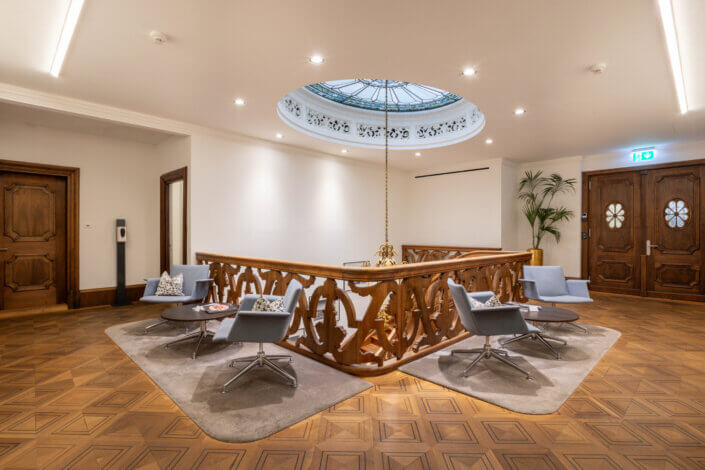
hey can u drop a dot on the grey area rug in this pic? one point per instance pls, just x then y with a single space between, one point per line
491 381
258 404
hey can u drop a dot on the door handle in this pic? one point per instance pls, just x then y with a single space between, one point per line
649 246
3 249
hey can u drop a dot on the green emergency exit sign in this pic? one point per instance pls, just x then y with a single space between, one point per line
643 155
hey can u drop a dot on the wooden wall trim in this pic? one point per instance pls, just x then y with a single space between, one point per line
107 295
164 181
72 176
656 166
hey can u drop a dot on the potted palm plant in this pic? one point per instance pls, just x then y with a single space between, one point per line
537 193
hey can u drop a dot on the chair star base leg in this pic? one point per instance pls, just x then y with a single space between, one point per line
488 352
261 360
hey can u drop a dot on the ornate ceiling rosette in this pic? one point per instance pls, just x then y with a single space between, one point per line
351 112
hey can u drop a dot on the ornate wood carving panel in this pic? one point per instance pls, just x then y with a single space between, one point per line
408 309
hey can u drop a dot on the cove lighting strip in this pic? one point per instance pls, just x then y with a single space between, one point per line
70 21
674 55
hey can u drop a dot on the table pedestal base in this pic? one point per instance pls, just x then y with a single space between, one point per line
202 333
542 338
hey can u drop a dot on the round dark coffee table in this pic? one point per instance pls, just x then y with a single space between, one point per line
187 313
550 315
545 314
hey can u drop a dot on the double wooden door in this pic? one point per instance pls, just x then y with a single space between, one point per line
645 231
32 240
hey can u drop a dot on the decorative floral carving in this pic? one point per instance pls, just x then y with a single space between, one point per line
373 131
614 215
676 213
292 106
319 119
425 131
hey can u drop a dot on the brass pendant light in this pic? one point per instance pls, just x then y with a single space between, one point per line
386 251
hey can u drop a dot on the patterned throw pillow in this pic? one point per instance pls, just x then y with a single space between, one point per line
170 285
264 305
491 302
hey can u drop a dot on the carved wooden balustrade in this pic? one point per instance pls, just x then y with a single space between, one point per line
423 253
408 309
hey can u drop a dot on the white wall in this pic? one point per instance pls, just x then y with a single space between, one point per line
254 198
459 209
566 253
677 152
118 179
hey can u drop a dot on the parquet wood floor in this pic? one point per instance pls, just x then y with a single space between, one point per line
69 398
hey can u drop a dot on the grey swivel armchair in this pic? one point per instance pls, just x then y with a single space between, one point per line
488 321
195 287
260 327
548 284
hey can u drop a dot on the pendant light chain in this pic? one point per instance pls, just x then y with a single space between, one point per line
386 162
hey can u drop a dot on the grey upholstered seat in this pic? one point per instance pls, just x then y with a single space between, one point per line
487 321
548 284
195 287
260 327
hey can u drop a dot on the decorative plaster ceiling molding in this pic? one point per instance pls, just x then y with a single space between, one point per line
39 99
324 119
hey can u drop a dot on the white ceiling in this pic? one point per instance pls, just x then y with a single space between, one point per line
531 54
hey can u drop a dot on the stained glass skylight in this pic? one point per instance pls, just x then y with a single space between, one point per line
367 93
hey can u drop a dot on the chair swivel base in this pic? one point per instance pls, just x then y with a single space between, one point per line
201 334
487 352
542 338
261 360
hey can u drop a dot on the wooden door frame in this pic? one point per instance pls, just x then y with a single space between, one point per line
585 206
72 176
164 181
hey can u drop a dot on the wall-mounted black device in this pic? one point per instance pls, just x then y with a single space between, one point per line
121 239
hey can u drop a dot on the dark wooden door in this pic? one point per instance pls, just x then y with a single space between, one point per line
674 229
614 232
32 240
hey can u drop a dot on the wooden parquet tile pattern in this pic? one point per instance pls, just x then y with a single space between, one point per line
69 398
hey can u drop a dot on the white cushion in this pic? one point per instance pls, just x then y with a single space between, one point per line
264 305
170 286
491 302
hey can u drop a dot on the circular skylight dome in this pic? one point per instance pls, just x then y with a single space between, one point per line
367 93
351 112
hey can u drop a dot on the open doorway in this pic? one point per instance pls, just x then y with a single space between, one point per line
173 218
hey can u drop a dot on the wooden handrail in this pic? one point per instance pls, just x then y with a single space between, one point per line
357 273
424 253
409 311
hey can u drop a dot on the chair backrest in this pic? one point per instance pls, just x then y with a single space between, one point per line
550 280
486 322
462 305
191 273
291 296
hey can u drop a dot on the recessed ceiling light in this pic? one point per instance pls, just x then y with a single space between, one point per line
489 141
316 59
344 151
674 55
280 135
417 154
67 30
519 111
240 101
468 72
